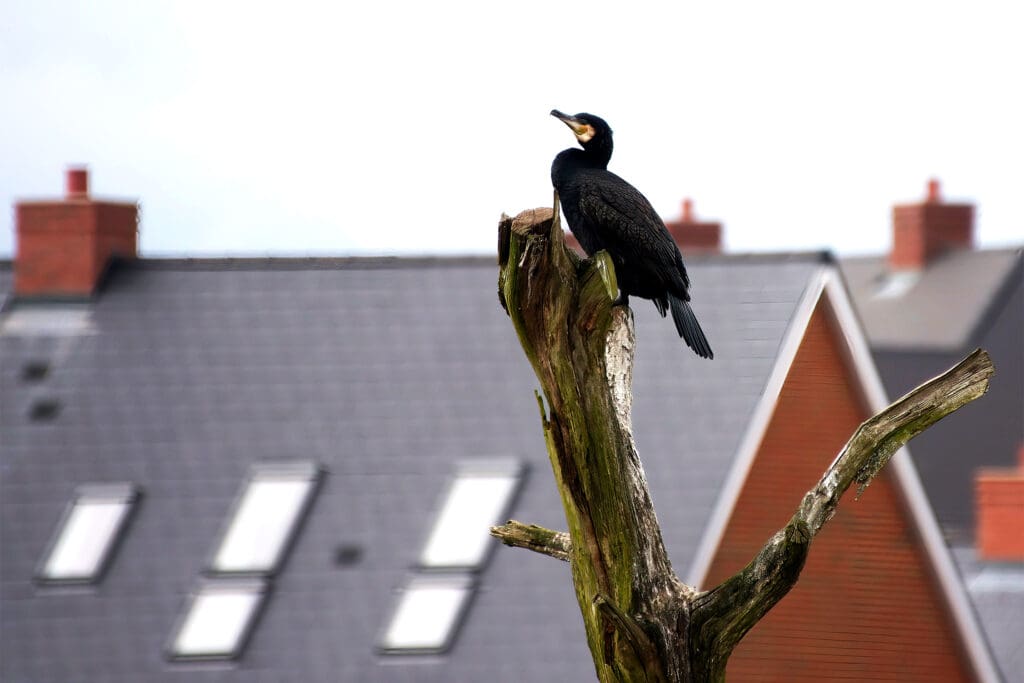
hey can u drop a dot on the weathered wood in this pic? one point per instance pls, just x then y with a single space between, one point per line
642 623
559 307
554 544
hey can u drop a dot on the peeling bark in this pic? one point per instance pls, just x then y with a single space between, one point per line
642 623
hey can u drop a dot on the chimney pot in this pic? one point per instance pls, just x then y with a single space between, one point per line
934 195
77 182
688 210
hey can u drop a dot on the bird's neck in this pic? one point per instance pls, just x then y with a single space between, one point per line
589 158
598 154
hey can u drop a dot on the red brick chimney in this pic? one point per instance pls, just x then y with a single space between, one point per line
999 494
64 245
923 231
695 236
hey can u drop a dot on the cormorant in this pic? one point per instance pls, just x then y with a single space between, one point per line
606 212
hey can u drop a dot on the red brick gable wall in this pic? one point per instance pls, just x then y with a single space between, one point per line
866 607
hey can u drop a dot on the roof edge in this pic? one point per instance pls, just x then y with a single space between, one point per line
228 263
402 261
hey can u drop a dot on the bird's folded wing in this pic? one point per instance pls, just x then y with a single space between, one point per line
631 229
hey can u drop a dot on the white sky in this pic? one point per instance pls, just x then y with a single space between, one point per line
408 127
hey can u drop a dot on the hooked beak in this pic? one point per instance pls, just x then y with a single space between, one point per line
583 131
569 121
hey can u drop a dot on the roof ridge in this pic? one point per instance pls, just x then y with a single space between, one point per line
395 261
1001 249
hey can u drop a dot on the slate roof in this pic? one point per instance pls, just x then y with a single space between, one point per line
387 372
944 309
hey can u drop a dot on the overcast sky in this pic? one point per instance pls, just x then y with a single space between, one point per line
409 127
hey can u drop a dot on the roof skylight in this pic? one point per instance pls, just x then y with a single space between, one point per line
897 283
47 320
477 499
87 533
265 518
219 619
434 600
428 612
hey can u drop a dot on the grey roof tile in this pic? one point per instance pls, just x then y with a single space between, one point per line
942 310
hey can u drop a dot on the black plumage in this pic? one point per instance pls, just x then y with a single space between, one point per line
606 212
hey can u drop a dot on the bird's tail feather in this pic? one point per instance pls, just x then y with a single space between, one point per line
661 305
689 328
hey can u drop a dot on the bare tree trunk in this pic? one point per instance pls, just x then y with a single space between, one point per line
642 623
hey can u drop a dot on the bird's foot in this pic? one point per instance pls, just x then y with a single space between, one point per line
623 300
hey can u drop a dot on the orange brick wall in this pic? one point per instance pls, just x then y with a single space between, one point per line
866 607
922 231
63 246
56 248
1000 496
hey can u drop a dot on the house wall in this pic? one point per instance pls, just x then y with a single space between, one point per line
866 606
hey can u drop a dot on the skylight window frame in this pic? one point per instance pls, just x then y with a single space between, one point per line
511 468
289 470
257 586
128 494
466 583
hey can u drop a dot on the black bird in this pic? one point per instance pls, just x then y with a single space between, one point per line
606 212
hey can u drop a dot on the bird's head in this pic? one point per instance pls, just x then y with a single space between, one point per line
592 132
